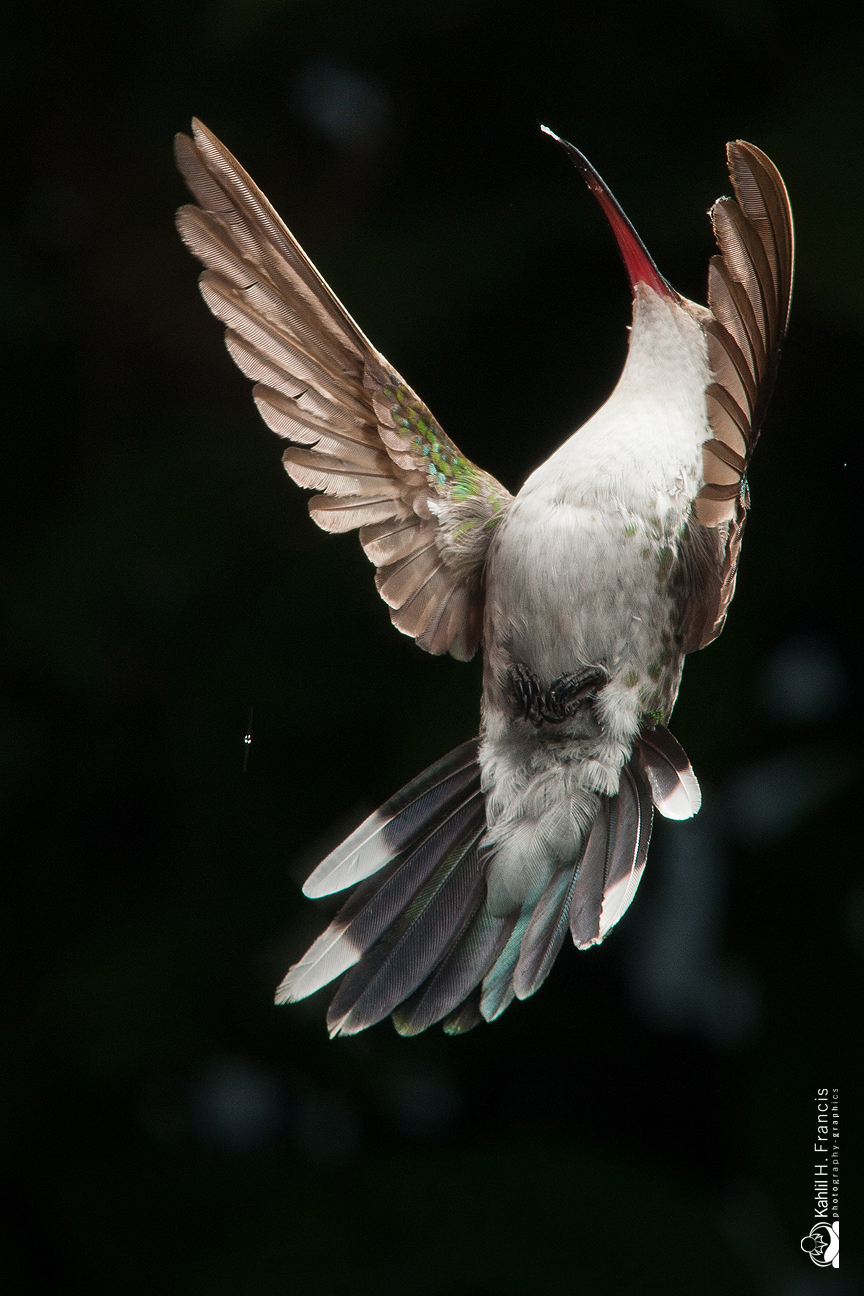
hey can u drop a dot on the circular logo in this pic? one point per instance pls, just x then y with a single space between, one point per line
822 1244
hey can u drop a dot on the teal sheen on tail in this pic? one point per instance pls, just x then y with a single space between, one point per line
417 931
586 590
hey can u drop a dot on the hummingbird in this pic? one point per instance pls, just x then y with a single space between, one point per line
586 590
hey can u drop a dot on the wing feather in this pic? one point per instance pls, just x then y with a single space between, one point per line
749 290
415 615
364 439
336 514
389 541
398 582
241 315
453 614
336 477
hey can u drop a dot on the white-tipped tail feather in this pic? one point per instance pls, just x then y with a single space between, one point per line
419 938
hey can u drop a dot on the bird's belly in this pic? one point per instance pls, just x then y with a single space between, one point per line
579 587
579 611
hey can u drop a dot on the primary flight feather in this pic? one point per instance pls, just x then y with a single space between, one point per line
586 590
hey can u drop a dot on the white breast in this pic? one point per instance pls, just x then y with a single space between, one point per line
578 571
574 572
641 452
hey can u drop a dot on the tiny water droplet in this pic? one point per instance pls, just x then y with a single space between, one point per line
247 740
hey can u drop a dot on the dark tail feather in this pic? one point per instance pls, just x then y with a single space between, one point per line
392 828
586 902
658 772
377 902
614 859
397 963
416 931
592 893
474 949
545 933
674 787
628 847
497 990
466 1016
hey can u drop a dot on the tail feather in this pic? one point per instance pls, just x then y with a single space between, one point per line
391 829
367 912
466 1016
427 935
674 787
586 902
628 845
602 881
474 949
498 992
545 933
397 964
378 902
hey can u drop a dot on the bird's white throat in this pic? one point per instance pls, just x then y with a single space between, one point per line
642 451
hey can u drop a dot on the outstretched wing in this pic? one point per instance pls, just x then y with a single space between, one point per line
749 288
362 437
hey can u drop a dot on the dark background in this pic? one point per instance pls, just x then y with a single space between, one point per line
646 1122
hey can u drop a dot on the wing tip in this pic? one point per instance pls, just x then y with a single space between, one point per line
738 148
740 155
182 142
201 132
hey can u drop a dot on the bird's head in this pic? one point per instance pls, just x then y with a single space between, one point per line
637 259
